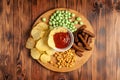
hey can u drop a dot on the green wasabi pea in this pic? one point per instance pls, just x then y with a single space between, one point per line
44 19
50 23
81 23
78 19
75 22
73 15
63 18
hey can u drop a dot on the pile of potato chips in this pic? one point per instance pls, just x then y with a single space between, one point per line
37 43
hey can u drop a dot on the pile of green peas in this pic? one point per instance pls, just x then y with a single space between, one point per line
64 18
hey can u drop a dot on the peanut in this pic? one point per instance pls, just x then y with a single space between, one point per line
65 59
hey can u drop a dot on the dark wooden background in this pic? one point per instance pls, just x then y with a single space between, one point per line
16 18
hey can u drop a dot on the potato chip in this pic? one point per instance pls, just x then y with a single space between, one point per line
42 45
35 33
50 51
42 33
41 26
45 58
35 53
47 33
30 43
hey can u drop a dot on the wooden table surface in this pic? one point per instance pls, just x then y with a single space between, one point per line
16 18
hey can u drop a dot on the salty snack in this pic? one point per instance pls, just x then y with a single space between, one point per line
39 30
79 53
50 51
64 59
35 53
66 19
45 58
86 46
42 45
78 48
41 26
38 43
44 19
82 41
35 33
30 43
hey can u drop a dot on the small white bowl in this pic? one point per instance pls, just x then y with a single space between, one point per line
69 46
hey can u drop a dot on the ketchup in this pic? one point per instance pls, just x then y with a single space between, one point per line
61 39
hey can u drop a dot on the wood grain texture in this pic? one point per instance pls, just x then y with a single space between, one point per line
22 23
6 40
16 19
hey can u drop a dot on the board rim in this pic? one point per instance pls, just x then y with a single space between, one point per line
46 66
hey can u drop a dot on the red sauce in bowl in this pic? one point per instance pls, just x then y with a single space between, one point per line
62 39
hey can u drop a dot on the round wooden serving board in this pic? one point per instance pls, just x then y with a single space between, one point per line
79 60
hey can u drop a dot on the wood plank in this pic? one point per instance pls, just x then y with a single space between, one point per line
6 40
117 38
22 25
71 4
116 24
61 3
111 46
117 34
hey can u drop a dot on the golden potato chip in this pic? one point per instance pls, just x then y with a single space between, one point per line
45 58
50 51
42 33
35 53
42 45
41 26
47 33
35 33
30 43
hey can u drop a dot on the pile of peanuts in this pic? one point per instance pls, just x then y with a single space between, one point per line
64 59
